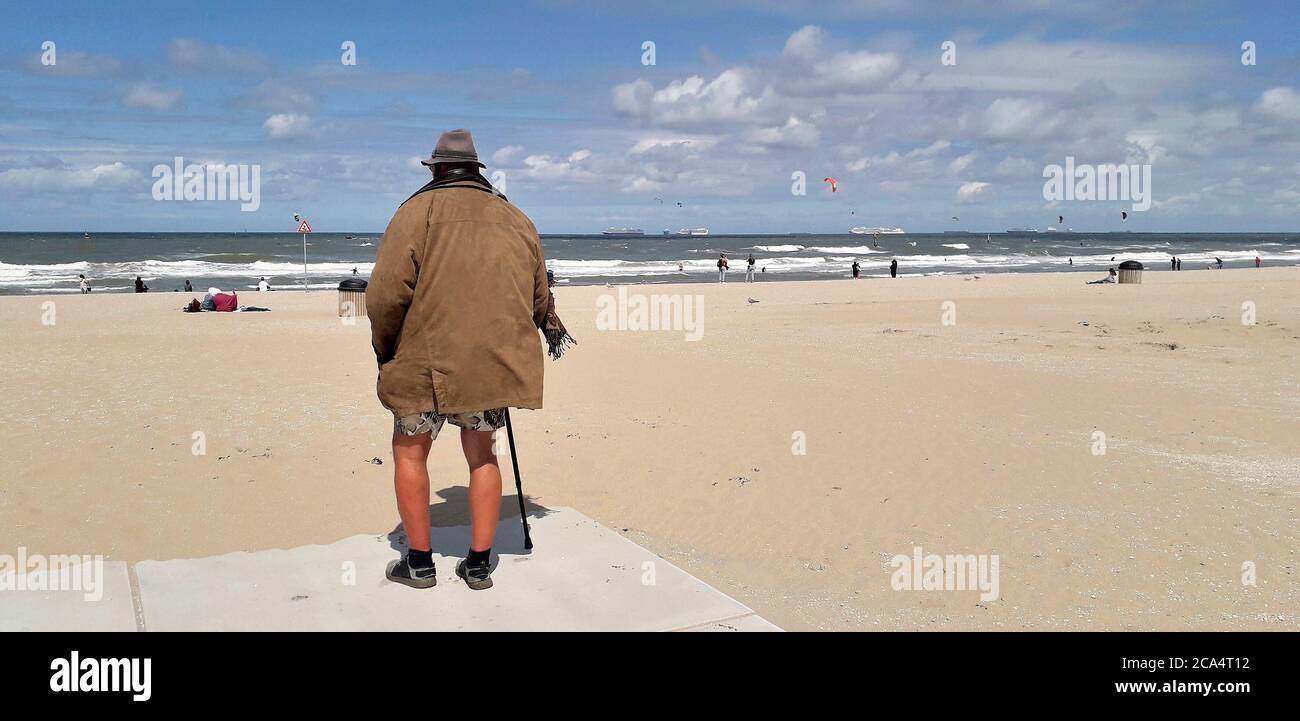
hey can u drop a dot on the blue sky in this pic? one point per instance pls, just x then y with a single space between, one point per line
741 96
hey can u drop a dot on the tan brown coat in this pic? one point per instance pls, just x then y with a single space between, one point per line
455 300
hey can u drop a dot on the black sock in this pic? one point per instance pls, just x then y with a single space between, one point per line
419 559
478 558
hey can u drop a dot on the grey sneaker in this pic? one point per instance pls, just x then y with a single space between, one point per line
477 578
401 572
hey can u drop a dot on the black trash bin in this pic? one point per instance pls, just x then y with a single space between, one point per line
1130 271
352 298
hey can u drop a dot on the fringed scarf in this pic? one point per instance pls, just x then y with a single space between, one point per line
558 339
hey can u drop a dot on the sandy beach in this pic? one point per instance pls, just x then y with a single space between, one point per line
977 436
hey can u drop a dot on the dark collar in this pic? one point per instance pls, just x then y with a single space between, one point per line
459 178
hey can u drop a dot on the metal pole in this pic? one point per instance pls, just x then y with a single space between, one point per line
519 486
304 263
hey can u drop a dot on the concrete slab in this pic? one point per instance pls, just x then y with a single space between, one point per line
71 610
581 577
752 622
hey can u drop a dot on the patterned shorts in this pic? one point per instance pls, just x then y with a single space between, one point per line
430 422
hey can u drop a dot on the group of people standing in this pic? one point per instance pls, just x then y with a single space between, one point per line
1176 263
724 265
84 284
893 268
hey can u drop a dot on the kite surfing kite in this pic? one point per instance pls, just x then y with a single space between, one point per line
834 183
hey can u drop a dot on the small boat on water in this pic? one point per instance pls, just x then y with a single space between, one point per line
86 236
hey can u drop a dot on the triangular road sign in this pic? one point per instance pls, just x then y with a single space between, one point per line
304 228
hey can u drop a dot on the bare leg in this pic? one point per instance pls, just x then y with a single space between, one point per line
411 481
484 487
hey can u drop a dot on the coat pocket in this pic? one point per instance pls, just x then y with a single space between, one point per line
405 388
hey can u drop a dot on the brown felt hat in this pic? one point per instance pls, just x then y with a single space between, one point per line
454 146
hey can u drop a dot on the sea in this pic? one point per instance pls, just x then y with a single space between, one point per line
51 262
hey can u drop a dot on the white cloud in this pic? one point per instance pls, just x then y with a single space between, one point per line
110 175
1015 166
1029 65
961 163
917 158
191 54
733 96
642 185
279 96
1282 103
968 191
548 167
795 133
854 73
1014 119
288 126
506 154
804 42
678 146
1145 147
147 96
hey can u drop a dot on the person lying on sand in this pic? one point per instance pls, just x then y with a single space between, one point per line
1111 277
454 312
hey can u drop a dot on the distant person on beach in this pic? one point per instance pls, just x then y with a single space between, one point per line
1111 277
1218 262
1180 264
354 271
749 269
893 268
1072 262
856 269
1257 261
550 278
263 286
83 283
140 287
1173 263
722 268
454 309
188 288
679 266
